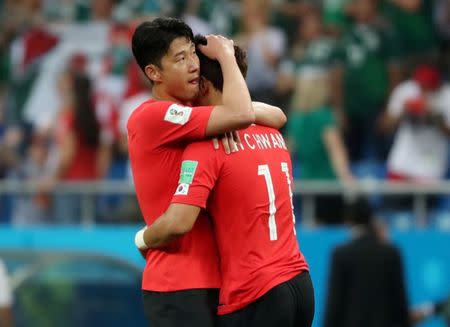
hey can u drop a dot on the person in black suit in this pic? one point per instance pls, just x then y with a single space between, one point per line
366 284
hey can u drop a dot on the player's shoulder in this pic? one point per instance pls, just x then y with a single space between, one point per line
261 129
155 111
152 106
140 110
203 146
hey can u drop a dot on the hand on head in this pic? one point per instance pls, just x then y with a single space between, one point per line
217 47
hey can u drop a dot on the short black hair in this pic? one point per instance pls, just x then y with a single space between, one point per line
152 39
211 70
359 211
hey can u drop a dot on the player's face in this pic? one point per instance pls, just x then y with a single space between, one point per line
180 70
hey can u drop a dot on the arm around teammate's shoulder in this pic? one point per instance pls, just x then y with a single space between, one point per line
268 115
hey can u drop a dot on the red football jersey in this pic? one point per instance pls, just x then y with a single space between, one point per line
249 195
158 132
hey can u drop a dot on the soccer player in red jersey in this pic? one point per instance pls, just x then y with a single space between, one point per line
265 279
179 282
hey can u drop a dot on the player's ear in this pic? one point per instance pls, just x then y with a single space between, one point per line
153 73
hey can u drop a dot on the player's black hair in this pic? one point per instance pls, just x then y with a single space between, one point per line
210 69
152 39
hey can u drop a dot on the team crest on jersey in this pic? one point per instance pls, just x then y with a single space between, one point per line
178 114
182 189
187 173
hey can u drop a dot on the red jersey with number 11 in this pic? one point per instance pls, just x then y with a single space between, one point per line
249 195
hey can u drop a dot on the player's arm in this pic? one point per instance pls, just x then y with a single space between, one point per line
198 174
268 115
236 112
175 222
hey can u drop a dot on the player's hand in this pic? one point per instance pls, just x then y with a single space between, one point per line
237 140
230 142
217 47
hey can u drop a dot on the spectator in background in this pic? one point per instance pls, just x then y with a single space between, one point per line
419 111
110 89
317 144
312 51
265 45
11 139
442 23
366 283
32 41
138 91
35 168
287 14
190 13
6 298
335 15
369 58
413 20
77 139
91 39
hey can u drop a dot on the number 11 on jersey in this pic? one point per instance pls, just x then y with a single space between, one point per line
263 170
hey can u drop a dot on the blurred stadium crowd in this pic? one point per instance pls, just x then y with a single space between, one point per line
363 83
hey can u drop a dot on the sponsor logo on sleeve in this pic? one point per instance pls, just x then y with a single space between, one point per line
188 168
177 114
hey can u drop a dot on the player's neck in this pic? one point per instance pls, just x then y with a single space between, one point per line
160 94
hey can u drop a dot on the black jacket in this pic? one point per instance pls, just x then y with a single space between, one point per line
366 285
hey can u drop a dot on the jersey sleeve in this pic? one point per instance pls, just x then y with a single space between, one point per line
199 172
167 122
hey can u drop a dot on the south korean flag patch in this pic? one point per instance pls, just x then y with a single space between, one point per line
182 189
178 114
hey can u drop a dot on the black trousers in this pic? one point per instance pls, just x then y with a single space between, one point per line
290 304
187 308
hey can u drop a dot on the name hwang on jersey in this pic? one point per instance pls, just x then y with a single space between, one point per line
262 141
